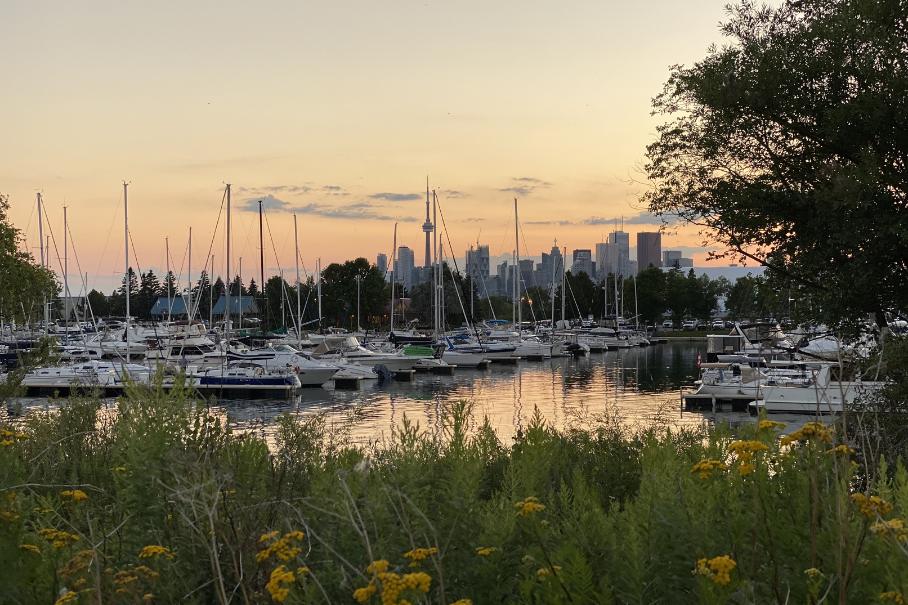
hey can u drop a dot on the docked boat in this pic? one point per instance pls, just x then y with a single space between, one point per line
817 390
243 380
105 376
311 372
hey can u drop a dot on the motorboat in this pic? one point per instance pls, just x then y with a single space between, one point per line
243 380
107 376
819 389
311 372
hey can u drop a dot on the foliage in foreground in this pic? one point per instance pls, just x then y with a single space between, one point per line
158 502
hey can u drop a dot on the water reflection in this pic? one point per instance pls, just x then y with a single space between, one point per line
635 386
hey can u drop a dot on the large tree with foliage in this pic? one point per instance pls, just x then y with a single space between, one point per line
24 284
790 147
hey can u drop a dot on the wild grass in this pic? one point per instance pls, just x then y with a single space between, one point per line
161 502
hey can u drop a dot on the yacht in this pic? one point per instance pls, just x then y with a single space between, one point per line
819 389
243 380
311 373
106 376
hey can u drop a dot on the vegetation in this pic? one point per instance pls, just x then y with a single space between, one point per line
160 502
787 146
25 284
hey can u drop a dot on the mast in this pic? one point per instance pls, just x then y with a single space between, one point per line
517 267
167 276
227 285
240 293
43 263
126 260
296 247
553 294
262 265
636 313
190 312
437 274
563 277
211 296
319 294
66 274
393 264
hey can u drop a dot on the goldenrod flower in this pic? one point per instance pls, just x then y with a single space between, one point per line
841 449
30 548
765 425
417 555
67 597
58 538
871 506
894 528
379 566
705 467
544 572
76 495
155 550
278 584
485 551
811 431
283 549
361 595
718 569
893 597
813 573
529 506
462 602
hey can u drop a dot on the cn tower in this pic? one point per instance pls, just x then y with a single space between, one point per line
427 228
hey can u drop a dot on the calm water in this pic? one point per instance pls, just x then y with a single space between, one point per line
634 386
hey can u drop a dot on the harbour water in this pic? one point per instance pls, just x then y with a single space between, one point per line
637 387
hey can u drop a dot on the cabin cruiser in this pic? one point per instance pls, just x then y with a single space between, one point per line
746 380
311 373
819 389
334 349
106 376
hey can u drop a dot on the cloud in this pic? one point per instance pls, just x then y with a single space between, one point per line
474 219
355 211
334 190
452 193
269 202
396 197
642 218
525 185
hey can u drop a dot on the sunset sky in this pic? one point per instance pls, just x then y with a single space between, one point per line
337 111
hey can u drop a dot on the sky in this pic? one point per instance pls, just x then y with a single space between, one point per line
337 112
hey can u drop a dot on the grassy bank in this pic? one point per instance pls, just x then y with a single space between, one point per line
160 503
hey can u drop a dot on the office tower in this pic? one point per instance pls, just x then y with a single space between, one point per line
622 252
673 259
381 263
583 262
649 249
604 260
478 263
403 266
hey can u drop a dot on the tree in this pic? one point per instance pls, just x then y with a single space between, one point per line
788 146
24 284
149 290
650 295
98 303
118 298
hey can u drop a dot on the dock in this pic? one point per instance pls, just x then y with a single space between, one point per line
347 383
709 402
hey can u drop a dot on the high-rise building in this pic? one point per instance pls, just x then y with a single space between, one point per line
583 262
526 274
649 249
673 259
620 265
550 268
381 263
604 260
478 262
403 266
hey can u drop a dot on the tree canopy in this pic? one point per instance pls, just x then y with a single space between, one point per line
790 146
24 284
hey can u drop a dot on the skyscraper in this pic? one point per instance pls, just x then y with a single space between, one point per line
622 252
381 263
403 266
604 260
649 249
583 262
478 262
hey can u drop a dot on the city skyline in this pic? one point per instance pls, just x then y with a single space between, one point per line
333 116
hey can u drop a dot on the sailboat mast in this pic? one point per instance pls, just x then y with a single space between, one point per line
190 311
41 247
229 281
126 260
66 272
211 296
296 247
636 311
262 265
563 278
319 294
436 268
240 293
167 275
517 269
393 264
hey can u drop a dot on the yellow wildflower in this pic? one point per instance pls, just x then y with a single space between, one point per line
893 597
894 528
67 597
58 538
7 442
9 515
871 506
283 548
377 567
529 506
705 467
147 597
123 577
813 573
841 449
485 551
271 535
361 595
76 495
462 602
811 431
302 571
544 572
418 555
30 548
119 469
278 585
718 569
744 451
155 550
764 425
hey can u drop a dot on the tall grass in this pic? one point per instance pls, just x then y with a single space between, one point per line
161 502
